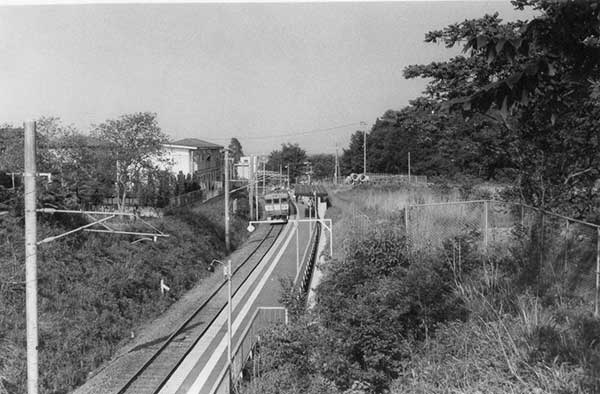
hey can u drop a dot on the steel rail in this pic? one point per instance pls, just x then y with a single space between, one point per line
186 322
178 363
191 347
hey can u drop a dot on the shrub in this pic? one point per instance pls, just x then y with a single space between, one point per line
374 303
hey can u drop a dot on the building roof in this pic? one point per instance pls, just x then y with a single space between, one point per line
196 143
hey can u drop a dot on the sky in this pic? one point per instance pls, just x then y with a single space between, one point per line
265 73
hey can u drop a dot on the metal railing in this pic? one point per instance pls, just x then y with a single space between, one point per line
244 349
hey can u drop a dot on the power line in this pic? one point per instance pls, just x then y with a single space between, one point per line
314 131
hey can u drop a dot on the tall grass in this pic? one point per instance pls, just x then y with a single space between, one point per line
428 226
391 200
462 321
528 329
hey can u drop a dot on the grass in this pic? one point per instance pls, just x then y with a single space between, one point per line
525 330
445 316
428 226
95 289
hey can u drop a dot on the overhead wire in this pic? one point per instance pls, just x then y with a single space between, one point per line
314 131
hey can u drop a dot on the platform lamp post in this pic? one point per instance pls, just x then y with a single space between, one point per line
227 275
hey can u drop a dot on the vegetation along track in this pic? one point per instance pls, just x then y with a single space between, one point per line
159 367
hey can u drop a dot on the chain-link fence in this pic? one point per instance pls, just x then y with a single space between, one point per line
561 255
395 179
359 224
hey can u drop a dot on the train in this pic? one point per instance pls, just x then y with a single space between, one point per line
277 206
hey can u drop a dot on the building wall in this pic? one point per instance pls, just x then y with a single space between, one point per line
181 160
208 159
205 164
243 168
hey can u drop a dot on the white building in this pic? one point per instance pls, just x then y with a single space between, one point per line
202 159
179 157
242 168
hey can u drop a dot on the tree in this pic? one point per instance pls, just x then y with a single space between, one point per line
136 143
352 158
536 84
236 149
323 165
291 155
11 149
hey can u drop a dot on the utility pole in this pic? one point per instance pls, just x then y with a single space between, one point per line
364 147
227 245
31 258
336 172
251 185
117 192
264 177
256 185
288 175
408 167
280 174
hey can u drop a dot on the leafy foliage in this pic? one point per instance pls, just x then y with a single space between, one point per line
135 142
236 148
323 165
372 305
536 83
439 143
291 155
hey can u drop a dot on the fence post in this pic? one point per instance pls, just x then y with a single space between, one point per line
485 225
406 223
566 248
543 230
596 312
522 216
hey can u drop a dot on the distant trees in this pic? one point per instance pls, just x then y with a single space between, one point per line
352 158
323 165
440 144
291 155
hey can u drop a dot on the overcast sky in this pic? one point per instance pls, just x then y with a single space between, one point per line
215 71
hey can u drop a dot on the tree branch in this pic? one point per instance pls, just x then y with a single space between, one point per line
576 174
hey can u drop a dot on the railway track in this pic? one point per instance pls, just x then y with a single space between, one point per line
153 374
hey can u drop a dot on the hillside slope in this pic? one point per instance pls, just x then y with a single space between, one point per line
96 291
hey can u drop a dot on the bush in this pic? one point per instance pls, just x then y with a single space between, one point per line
375 303
94 289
